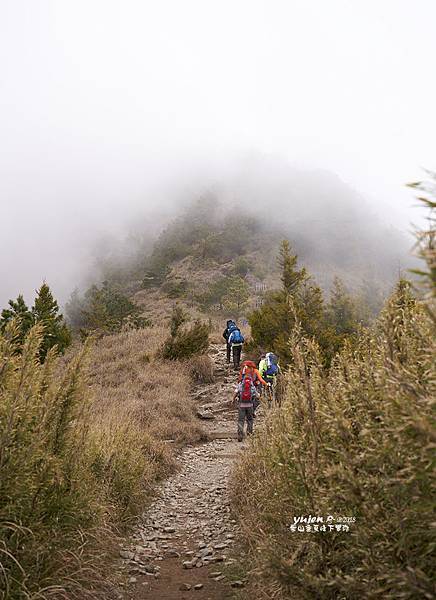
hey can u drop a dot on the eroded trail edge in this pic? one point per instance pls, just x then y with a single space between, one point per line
183 545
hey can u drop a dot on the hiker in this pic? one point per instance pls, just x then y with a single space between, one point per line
231 326
248 366
235 341
269 368
245 395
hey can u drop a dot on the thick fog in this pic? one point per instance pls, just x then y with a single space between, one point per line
113 112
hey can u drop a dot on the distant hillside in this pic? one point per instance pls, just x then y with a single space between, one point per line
234 232
211 241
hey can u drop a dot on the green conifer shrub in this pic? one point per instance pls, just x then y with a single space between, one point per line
18 311
44 311
184 342
104 309
300 299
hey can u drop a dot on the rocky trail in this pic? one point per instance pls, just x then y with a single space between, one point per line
183 547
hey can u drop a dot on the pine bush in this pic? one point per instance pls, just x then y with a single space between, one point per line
184 342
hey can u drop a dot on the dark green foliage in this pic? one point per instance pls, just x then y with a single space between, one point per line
342 315
300 304
175 288
104 309
241 266
300 300
44 311
178 318
230 293
216 293
17 310
237 295
203 233
185 342
369 300
74 310
178 239
291 277
151 280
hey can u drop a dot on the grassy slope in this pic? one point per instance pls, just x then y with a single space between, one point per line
355 442
81 449
129 382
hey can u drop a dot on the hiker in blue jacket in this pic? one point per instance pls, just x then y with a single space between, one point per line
231 326
234 340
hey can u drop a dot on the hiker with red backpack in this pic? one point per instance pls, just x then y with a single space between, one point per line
247 397
249 367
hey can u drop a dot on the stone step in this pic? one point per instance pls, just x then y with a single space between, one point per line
223 435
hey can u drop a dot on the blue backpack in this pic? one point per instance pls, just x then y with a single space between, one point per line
237 337
271 359
271 370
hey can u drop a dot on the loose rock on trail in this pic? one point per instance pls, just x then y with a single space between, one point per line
183 546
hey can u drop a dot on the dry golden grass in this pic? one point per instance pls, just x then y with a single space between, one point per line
129 382
201 369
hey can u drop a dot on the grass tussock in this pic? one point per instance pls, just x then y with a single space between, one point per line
357 441
81 446
201 369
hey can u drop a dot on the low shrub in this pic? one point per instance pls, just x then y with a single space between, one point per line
201 369
175 288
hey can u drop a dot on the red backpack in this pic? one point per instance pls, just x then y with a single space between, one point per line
247 388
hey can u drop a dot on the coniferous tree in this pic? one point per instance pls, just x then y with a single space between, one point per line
216 292
46 311
18 309
291 277
341 311
95 312
74 309
184 342
236 295
299 299
108 310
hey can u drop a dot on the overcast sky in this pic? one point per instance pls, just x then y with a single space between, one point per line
103 101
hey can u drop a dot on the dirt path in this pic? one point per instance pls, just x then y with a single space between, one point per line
183 548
